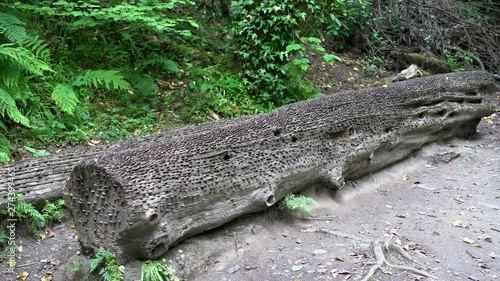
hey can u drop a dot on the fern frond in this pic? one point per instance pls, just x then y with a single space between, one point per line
98 260
2 126
12 28
10 76
65 98
162 62
5 149
53 211
38 47
293 202
23 58
24 210
8 105
109 79
106 260
157 271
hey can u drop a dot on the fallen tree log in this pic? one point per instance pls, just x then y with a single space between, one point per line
41 179
143 199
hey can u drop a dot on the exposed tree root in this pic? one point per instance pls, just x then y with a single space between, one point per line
378 250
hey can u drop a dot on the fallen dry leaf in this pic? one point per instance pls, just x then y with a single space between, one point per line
459 199
51 233
468 240
93 142
488 239
23 276
42 234
339 259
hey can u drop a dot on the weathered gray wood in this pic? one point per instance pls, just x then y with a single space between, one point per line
142 199
43 178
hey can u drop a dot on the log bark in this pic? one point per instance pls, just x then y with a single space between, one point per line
140 200
41 179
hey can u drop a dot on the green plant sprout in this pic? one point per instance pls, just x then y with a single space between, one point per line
294 202
157 271
105 262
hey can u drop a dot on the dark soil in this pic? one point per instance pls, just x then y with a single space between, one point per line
440 208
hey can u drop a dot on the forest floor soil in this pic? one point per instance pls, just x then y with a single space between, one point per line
435 213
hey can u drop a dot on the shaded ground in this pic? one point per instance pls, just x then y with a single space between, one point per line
443 215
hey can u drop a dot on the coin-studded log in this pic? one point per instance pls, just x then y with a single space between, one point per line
143 199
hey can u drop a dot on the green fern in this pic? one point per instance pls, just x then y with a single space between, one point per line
293 202
5 149
157 271
109 79
65 98
13 28
162 63
8 107
23 59
53 212
106 261
38 47
25 211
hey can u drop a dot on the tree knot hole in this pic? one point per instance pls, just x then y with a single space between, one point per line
158 250
270 200
153 218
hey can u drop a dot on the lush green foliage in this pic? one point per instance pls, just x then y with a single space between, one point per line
272 47
157 271
294 202
79 71
344 19
275 37
105 262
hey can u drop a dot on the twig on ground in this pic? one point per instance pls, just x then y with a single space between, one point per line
378 251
